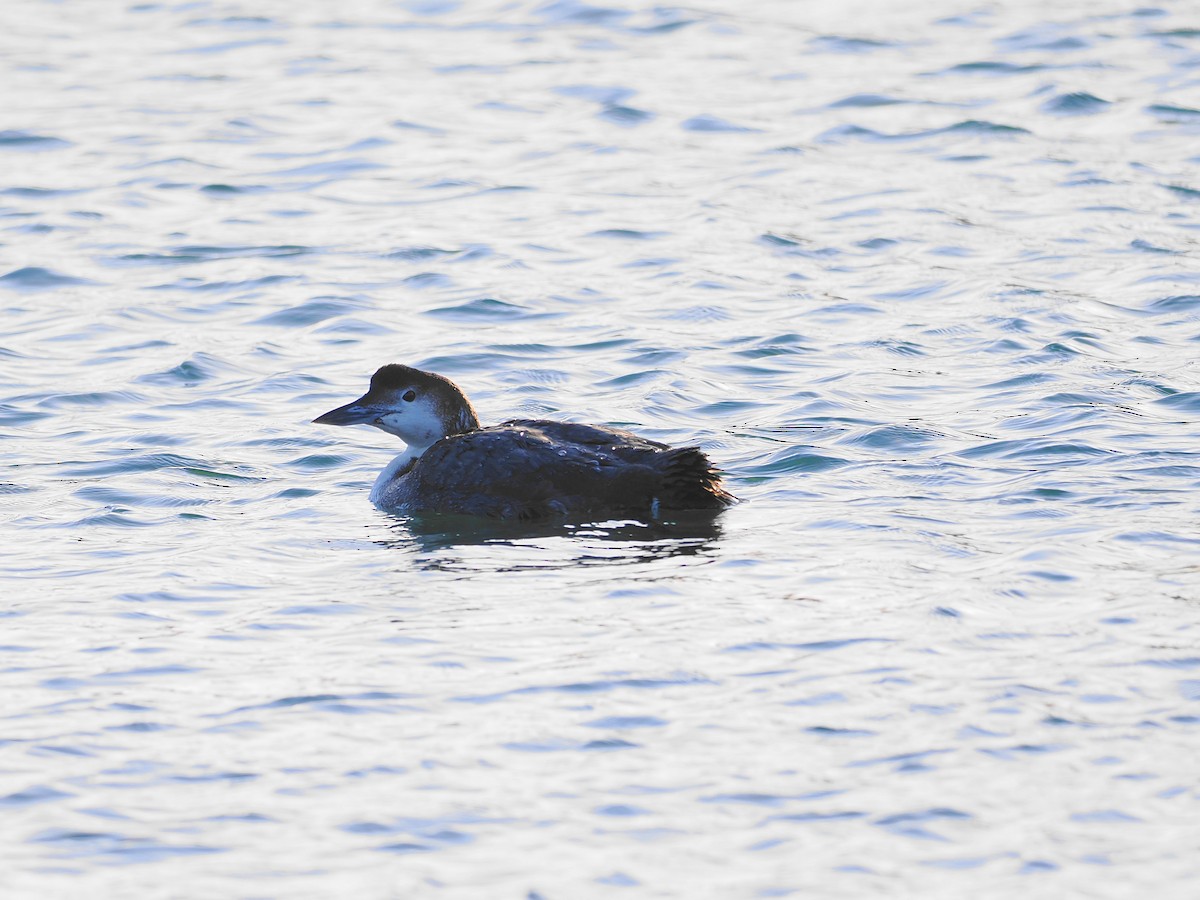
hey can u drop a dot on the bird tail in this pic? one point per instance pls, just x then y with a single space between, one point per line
690 481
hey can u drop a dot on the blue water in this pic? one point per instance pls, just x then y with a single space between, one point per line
922 278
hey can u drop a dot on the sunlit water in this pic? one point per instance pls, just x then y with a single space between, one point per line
921 277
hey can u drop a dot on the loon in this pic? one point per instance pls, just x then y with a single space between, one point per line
522 469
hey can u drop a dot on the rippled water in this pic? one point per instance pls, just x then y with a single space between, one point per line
922 277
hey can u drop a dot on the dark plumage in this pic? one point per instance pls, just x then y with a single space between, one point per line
526 469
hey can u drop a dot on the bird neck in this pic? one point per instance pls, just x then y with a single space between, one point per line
397 468
464 418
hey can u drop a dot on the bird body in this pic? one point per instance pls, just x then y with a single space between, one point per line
523 469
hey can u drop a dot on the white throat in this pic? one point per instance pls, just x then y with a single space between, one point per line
418 426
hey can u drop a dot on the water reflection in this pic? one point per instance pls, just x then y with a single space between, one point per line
453 543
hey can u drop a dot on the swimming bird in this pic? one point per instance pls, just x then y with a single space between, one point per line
522 469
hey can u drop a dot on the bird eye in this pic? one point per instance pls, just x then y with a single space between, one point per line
410 396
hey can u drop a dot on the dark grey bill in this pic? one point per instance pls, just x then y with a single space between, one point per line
356 413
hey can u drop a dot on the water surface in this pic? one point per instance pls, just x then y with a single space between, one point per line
922 278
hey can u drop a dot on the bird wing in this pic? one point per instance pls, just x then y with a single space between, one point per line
525 470
586 435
